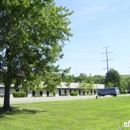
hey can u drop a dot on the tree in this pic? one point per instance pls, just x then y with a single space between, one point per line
67 78
99 79
110 84
113 78
32 35
91 79
87 87
51 81
81 77
125 84
128 84
35 84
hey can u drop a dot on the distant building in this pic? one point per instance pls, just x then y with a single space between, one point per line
62 90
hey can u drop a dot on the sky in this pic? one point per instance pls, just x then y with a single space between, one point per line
97 25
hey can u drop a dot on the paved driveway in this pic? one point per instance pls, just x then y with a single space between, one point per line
46 99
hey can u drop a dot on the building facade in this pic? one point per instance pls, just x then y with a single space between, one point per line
62 90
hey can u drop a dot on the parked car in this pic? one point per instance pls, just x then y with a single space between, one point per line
109 91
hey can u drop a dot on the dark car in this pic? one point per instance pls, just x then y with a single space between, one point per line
109 91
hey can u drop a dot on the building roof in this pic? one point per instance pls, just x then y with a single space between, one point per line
76 85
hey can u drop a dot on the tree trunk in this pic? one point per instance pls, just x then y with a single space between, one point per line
6 105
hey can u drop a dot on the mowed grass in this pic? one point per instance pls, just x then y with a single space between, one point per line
90 114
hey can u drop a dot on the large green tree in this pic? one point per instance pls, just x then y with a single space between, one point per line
112 78
32 35
125 84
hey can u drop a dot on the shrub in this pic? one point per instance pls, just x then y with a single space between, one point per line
123 92
19 94
74 93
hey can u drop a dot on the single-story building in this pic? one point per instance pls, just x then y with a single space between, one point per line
62 90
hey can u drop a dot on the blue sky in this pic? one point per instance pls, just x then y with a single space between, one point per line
97 24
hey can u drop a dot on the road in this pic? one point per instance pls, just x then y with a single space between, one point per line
46 99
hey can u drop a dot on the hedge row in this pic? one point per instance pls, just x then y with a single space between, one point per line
74 93
19 94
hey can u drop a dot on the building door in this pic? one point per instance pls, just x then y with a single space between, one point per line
47 93
79 92
41 92
59 92
33 93
70 90
65 92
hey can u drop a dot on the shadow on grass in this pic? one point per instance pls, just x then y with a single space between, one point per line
16 110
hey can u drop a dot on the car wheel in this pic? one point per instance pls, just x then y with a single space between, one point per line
111 94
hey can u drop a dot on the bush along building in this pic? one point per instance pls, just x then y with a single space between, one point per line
61 90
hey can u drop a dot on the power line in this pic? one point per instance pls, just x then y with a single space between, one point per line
107 59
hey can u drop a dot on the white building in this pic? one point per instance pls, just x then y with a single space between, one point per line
62 90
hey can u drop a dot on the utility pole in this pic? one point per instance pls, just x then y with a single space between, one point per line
107 59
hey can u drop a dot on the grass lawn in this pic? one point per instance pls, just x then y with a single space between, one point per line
90 114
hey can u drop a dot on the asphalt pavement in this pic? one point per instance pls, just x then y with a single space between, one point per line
57 98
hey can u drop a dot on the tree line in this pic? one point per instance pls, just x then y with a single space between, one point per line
111 79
